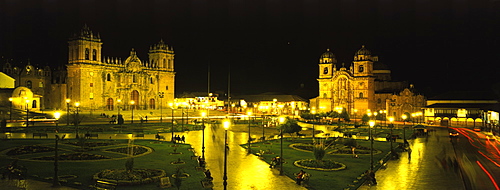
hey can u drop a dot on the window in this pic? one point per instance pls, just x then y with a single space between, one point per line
87 54
40 84
360 95
325 70
94 55
108 77
29 84
324 95
91 84
361 68
151 80
379 100
91 95
167 88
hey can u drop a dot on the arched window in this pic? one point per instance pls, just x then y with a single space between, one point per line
29 84
134 95
379 100
108 77
165 64
166 88
109 104
325 70
151 80
33 104
324 95
361 68
133 79
87 56
94 55
360 95
151 103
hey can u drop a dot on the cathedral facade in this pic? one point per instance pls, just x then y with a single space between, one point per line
94 81
366 86
104 83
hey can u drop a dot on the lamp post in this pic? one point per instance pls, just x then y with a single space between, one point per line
282 121
374 127
27 112
263 126
57 115
132 102
355 113
339 111
118 102
391 119
161 95
227 124
372 123
404 116
77 105
249 113
55 182
67 109
10 112
172 126
203 115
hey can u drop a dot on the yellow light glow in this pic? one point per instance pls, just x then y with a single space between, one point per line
404 116
369 114
372 123
203 114
391 119
57 115
68 100
132 102
10 99
119 100
227 124
282 119
249 113
27 101
77 104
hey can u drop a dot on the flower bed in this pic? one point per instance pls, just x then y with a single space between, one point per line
323 165
30 149
75 156
124 150
134 177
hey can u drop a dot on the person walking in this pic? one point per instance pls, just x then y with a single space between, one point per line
409 153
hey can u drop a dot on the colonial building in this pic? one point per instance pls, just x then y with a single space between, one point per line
365 86
99 82
95 81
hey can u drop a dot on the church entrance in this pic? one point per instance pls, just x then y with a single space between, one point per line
152 104
109 104
135 97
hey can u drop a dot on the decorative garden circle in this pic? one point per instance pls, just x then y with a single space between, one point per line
135 177
327 165
183 175
342 151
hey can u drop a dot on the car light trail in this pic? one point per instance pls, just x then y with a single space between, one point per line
489 175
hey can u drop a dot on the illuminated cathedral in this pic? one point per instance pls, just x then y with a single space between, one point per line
365 86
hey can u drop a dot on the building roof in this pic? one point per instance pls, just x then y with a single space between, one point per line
481 106
270 97
465 95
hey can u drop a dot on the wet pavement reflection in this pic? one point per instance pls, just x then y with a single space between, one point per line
420 168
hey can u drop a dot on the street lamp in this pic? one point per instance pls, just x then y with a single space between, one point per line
227 124
10 113
27 112
161 95
372 123
55 182
67 109
404 116
203 115
282 121
77 105
57 115
132 102
249 113
391 119
118 102
172 126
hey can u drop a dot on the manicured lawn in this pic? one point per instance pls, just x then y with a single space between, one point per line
340 179
159 158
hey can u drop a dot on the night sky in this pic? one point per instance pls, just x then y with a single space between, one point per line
271 45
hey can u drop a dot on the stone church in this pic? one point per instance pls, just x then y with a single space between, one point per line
95 81
365 86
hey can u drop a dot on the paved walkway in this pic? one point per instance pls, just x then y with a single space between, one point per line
29 184
420 168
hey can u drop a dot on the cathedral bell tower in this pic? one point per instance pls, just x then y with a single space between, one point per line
161 56
84 47
363 63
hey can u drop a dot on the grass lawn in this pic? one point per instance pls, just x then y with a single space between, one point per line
159 158
341 179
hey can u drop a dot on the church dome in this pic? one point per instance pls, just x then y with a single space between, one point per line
363 51
328 54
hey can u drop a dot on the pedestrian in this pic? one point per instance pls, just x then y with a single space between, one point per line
305 179
409 153
183 139
371 177
146 117
299 177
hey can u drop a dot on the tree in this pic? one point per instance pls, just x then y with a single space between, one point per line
290 126
365 119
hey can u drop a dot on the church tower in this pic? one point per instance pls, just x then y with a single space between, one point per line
161 56
85 47
364 84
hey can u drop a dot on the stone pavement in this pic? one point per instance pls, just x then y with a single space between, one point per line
29 184
420 168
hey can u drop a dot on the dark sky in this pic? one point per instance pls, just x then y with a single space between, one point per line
271 45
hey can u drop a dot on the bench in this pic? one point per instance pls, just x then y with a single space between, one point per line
139 135
102 184
40 135
165 182
88 135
